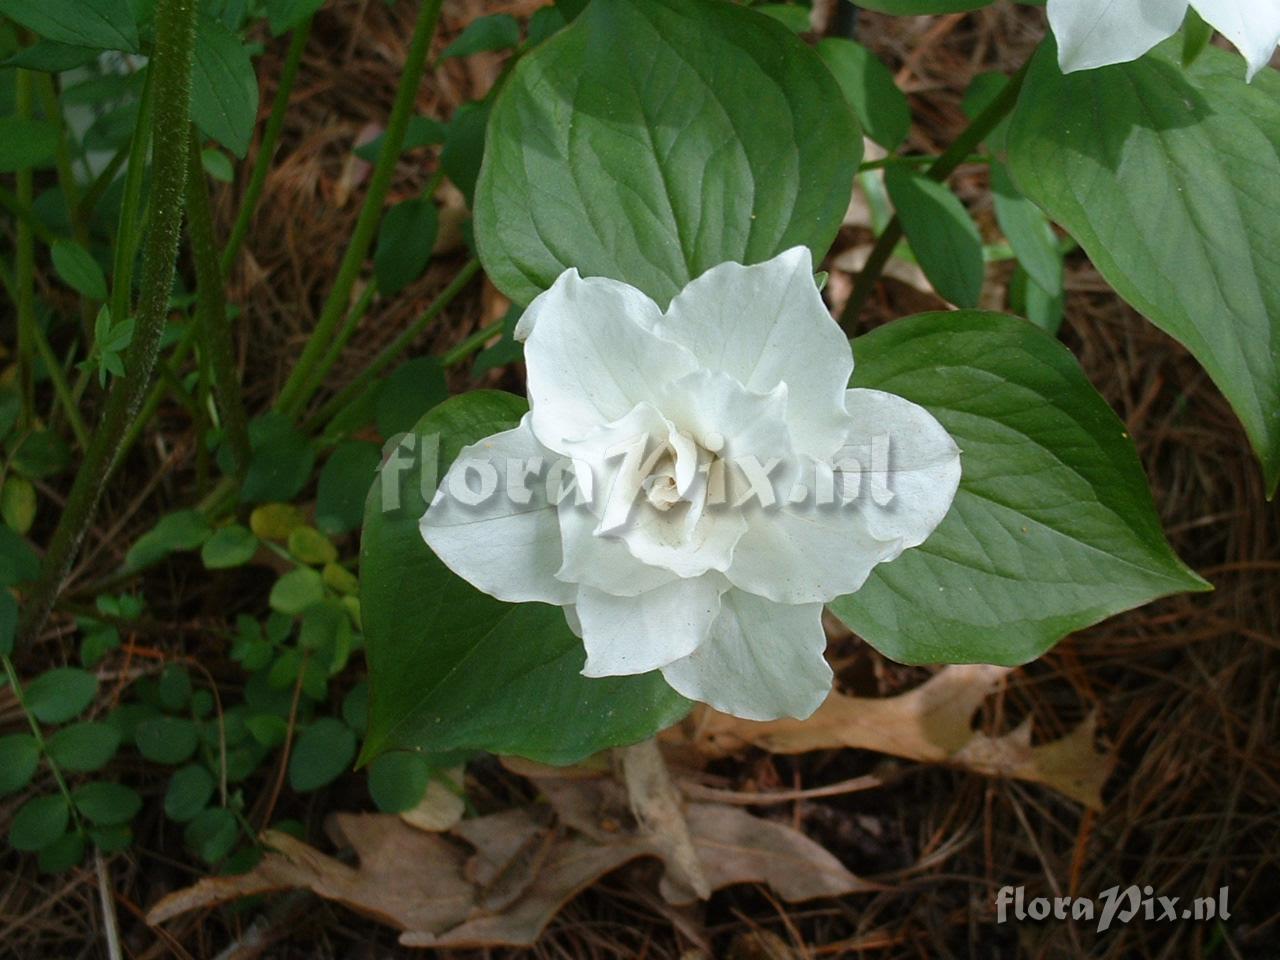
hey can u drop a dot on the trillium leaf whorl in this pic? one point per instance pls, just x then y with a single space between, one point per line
692 485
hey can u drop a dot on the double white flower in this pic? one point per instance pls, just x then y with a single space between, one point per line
725 598
1095 33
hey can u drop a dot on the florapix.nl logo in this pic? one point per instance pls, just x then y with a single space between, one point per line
1116 904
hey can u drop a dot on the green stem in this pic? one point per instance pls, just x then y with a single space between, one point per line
943 167
211 311
24 266
38 736
267 149
66 176
127 231
170 70
471 344
391 351
154 399
306 376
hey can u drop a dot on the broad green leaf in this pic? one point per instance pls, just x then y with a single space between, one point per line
500 31
39 822
544 24
224 89
413 389
188 793
78 270
102 24
284 15
168 740
653 139
26 144
344 485
281 461
942 235
398 780
452 668
868 86
49 56
230 546
19 757
58 695
1167 178
107 804
405 239
1028 299
464 146
791 15
1028 232
84 747
323 753
212 833
1053 527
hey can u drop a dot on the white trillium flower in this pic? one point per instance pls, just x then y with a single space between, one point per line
669 421
1095 33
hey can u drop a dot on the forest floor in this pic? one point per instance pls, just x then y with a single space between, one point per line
1185 692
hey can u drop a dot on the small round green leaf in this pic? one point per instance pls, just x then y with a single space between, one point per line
175 688
19 757
405 240
231 546
324 752
308 545
39 822
188 793
398 780
297 590
107 804
212 833
60 694
78 270
61 855
84 747
169 740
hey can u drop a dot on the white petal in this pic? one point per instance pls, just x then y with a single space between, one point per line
761 660
1252 25
906 469
923 464
509 550
629 635
592 355
1095 33
764 325
723 416
602 562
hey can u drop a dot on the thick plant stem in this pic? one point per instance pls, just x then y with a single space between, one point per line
267 148
943 167
391 351
308 374
211 310
171 72
24 267
127 233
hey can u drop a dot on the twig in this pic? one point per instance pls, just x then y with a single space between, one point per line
110 922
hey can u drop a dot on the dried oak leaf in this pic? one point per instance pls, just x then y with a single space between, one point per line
930 724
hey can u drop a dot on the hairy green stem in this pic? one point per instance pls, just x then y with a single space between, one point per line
127 231
24 266
170 71
393 350
943 167
267 148
211 311
307 375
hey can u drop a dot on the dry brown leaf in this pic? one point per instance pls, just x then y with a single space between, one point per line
930 724
441 807
521 869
